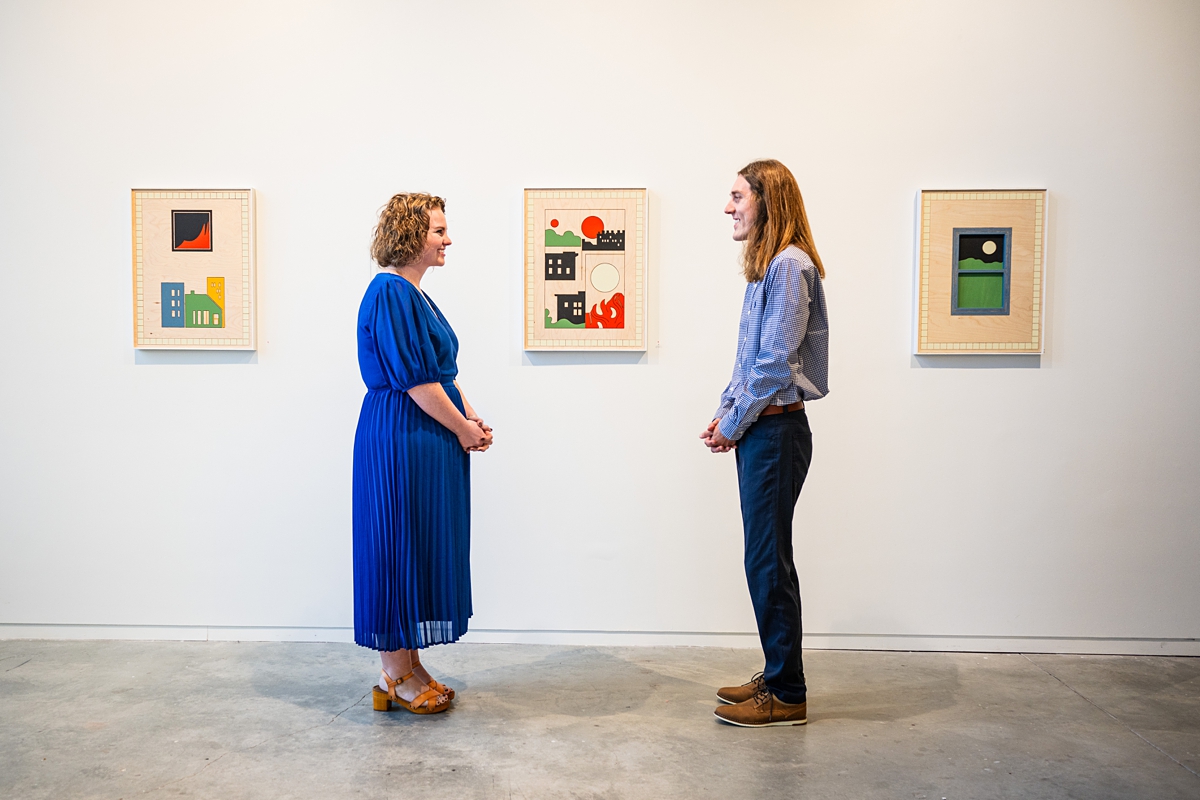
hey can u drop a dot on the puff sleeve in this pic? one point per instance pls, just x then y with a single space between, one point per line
404 348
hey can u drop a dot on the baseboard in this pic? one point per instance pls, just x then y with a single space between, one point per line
1081 645
1075 645
613 638
177 633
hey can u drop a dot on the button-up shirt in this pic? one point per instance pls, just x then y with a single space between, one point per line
783 344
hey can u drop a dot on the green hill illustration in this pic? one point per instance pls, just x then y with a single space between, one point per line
980 283
562 323
971 264
567 239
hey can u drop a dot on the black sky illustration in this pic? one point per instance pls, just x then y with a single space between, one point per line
188 224
971 246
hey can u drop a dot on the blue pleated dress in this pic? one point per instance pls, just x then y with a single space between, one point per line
412 482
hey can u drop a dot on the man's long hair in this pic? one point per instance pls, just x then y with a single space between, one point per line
779 218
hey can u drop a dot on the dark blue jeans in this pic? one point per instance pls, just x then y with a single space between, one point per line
772 462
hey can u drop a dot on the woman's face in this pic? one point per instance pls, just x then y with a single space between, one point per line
436 241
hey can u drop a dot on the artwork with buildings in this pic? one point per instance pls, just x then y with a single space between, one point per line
193 269
193 310
585 269
981 272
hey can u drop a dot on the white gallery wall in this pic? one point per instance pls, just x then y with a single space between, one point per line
1004 502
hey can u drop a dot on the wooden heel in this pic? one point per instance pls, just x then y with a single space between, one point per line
380 699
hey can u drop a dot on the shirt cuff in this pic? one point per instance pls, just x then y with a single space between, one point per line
729 429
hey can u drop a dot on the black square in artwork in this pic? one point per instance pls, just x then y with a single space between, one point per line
191 231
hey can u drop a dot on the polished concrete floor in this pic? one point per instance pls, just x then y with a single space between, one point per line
122 720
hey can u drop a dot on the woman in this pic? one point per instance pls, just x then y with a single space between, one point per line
782 363
412 494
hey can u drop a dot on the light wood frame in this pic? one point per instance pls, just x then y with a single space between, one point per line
574 205
1020 328
224 272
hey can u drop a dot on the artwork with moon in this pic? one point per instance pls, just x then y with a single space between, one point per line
981 272
584 266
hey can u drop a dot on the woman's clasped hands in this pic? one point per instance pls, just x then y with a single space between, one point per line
475 437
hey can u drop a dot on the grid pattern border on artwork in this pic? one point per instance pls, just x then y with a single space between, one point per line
635 342
139 298
1034 345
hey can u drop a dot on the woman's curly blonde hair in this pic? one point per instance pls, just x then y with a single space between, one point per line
403 228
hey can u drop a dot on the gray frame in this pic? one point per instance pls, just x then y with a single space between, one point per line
1007 273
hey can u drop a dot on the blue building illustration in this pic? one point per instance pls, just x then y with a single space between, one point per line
172 305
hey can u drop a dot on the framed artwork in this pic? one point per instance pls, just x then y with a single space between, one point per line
585 269
981 272
193 269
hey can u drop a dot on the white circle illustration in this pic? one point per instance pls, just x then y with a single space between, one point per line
989 247
605 278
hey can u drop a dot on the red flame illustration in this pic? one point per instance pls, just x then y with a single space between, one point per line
201 242
610 314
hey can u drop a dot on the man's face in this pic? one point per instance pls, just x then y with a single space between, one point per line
742 208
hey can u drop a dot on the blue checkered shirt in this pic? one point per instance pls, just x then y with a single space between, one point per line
783 344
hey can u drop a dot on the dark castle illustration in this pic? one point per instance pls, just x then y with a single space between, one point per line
607 240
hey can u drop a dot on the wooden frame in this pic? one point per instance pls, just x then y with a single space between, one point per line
193 269
1011 225
585 269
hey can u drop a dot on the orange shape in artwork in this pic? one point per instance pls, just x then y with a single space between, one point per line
591 227
201 242
608 314
553 223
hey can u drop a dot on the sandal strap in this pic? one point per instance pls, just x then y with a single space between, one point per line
424 697
392 684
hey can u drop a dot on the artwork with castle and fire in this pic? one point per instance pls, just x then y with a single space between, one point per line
193 269
585 270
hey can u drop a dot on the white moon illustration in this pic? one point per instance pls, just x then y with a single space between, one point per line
989 247
605 278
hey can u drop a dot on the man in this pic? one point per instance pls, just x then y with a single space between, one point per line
782 361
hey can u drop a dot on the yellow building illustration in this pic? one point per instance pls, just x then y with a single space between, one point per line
216 290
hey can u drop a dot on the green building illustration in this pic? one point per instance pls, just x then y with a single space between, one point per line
201 311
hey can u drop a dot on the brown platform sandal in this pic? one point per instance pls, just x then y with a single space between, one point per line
431 683
424 703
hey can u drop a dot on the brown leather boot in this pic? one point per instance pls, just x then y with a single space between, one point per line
740 694
763 710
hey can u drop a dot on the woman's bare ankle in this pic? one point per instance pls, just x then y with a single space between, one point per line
396 665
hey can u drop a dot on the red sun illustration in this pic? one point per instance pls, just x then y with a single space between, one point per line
553 223
591 227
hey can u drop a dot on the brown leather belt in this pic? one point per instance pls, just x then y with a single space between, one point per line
769 410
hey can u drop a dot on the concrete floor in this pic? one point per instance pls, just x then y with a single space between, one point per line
239 720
